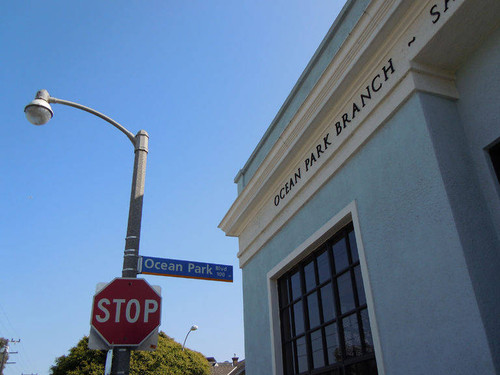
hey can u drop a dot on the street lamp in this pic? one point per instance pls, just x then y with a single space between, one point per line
39 112
193 328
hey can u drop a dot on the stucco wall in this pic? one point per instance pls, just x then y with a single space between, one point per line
478 213
427 316
478 84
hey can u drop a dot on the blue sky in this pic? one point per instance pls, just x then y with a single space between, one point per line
205 79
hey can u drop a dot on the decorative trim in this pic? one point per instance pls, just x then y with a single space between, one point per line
390 33
252 216
348 51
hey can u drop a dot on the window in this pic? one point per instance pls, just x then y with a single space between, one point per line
324 320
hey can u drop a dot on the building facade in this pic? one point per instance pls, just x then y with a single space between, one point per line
368 216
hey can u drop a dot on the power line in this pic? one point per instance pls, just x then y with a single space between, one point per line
6 317
24 357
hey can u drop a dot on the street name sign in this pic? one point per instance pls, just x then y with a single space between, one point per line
184 268
126 312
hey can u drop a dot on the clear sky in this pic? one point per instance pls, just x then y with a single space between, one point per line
205 79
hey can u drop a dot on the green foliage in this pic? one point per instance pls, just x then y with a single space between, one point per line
80 360
167 359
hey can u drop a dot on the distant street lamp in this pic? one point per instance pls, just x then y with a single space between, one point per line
193 328
39 112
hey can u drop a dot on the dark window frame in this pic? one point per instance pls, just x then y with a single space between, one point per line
344 356
494 154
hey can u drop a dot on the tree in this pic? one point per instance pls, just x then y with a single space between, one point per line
168 358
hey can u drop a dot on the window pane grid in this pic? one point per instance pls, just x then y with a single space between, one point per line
325 323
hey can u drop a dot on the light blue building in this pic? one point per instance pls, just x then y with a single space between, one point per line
368 216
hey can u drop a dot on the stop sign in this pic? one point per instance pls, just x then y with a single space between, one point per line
126 311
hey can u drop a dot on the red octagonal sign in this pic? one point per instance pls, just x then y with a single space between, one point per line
126 311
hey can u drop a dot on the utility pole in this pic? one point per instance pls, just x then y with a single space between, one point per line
6 352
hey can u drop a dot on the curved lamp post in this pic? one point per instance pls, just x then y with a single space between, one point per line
39 112
193 328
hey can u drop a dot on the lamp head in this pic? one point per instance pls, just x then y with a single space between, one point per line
194 328
39 112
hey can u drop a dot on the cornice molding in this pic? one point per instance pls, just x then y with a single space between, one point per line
382 36
345 55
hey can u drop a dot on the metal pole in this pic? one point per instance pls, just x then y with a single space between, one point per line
107 366
184 343
131 253
194 327
121 355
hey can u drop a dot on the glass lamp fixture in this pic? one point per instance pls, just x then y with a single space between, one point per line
39 111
